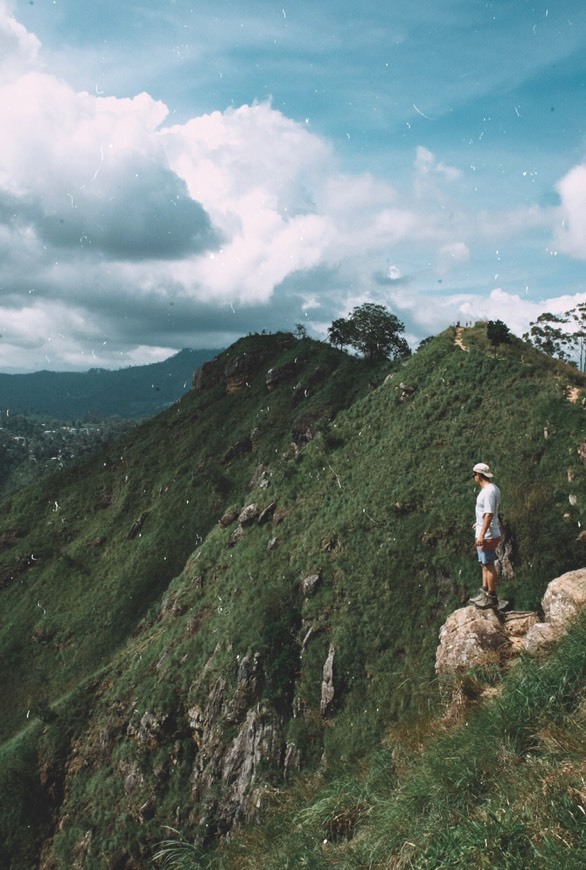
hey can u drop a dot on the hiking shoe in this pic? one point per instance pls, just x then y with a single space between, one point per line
491 602
479 599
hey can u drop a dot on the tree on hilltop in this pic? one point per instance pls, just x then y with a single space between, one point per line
498 332
373 331
562 336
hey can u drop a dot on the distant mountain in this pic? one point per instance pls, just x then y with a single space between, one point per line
132 393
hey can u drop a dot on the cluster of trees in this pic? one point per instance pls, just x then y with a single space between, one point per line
561 335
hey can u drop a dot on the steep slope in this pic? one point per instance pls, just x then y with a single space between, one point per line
84 555
221 657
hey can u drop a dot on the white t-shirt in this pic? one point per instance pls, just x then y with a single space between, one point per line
488 501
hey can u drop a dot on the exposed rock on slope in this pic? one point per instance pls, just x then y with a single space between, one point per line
475 638
564 598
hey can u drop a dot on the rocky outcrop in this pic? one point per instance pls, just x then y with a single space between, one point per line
307 425
257 742
327 686
207 376
251 515
564 598
281 374
309 584
248 515
137 525
406 390
240 370
472 638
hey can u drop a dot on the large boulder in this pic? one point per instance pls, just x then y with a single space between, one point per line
564 598
470 638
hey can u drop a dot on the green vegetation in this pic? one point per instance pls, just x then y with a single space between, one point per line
32 447
147 636
503 787
373 331
561 335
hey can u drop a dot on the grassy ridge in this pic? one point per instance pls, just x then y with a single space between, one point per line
379 504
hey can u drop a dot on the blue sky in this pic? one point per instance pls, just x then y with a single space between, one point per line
177 174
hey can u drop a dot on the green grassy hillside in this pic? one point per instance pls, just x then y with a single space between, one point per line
154 657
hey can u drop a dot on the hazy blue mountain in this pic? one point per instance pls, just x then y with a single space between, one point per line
134 392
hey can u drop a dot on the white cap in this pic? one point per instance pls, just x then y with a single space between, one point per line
482 468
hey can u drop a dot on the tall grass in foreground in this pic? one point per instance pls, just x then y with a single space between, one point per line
505 788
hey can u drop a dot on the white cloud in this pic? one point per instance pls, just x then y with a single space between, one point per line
430 172
452 255
256 173
571 233
122 235
39 331
515 311
19 49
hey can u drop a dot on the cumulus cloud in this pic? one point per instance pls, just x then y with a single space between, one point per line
124 236
571 234
257 173
87 171
19 49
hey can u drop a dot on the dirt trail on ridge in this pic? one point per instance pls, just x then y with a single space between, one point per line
458 339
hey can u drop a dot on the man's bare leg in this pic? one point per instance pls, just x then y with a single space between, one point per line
489 577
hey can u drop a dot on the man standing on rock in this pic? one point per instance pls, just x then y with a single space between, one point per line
487 533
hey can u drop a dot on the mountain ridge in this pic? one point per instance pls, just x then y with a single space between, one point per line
130 393
296 520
